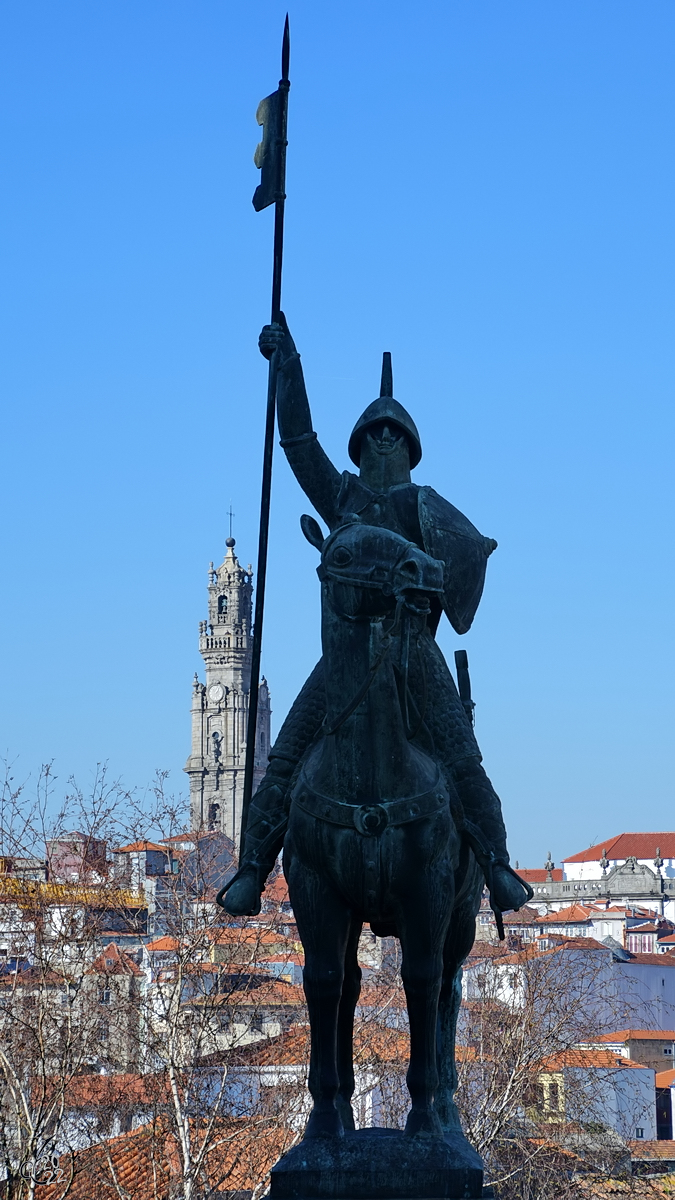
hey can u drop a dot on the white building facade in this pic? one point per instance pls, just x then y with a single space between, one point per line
220 704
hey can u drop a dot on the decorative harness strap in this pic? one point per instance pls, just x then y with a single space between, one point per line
369 819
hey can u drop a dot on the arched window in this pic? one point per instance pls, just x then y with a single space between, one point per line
222 606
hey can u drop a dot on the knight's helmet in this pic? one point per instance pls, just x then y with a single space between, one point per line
385 408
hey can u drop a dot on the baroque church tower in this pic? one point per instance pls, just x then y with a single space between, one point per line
220 706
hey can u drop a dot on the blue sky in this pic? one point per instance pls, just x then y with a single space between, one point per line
483 188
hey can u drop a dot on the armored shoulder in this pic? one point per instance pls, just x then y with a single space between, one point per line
450 536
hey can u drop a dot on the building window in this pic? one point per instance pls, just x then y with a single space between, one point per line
667 1049
104 995
639 1132
104 1031
222 606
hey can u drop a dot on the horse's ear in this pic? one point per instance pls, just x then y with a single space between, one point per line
312 531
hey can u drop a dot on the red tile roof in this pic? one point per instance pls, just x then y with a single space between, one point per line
574 914
665 1078
524 916
163 943
660 1149
372 1043
651 960
561 943
117 1091
539 874
251 935
266 991
277 890
147 1161
587 1058
627 845
113 961
138 846
640 1035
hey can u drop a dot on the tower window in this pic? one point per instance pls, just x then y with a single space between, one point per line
222 606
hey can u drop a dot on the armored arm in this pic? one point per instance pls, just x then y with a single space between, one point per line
310 464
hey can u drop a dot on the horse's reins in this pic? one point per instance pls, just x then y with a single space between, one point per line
374 668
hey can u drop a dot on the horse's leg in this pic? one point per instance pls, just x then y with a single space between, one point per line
422 933
324 924
351 989
458 943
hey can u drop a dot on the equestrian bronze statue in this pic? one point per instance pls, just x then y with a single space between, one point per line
375 787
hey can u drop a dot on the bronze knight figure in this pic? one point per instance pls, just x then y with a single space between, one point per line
385 446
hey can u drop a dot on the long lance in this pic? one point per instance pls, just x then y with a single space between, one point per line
270 156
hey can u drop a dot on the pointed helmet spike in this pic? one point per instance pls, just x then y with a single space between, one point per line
385 408
387 384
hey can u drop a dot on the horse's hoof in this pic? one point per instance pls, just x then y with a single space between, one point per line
242 899
424 1123
326 1123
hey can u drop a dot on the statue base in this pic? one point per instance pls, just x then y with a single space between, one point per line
379 1164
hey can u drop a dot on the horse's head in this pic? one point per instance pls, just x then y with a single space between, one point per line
375 568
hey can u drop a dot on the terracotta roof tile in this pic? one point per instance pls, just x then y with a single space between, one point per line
588 1058
138 846
641 1035
665 1078
571 915
277 890
163 943
539 874
626 845
113 961
524 916
651 960
146 1162
660 1149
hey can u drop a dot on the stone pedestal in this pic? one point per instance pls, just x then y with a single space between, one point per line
379 1164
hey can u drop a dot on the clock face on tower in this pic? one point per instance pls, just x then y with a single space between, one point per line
216 693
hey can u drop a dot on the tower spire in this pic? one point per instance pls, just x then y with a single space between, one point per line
220 705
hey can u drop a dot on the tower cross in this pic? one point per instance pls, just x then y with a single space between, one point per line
231 515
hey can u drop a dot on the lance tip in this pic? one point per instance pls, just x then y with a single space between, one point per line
285 50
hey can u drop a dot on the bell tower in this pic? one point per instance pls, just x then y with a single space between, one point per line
220 705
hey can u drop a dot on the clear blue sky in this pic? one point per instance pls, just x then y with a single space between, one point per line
484 188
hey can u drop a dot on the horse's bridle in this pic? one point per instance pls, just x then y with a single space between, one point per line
402 604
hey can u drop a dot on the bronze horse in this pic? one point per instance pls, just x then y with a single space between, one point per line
372 836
